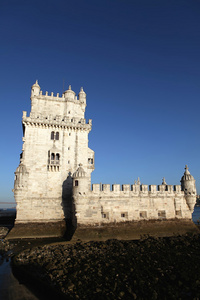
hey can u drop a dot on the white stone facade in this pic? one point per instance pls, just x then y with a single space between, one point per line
110 204
55 143
53 180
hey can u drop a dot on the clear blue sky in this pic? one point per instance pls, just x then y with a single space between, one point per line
139 63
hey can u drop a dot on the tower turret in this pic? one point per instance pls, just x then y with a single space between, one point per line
82 96
35 89
189 188
69 94
80 181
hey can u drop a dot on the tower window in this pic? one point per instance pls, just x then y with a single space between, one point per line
55 135
76 182
57 157
90 161
54 158
52 135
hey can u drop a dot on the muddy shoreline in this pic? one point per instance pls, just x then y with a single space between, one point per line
153 268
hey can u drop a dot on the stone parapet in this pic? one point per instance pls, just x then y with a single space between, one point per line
136 189
56 121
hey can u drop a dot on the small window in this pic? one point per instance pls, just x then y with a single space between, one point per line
162 214
76 182
52 156
69 134
52 135
68 148
90 161
57 136
143 214
124 215
105 215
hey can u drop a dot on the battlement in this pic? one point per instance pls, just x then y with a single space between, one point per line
68 95
58 120
136 189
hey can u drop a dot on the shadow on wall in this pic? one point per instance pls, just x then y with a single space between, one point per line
68 207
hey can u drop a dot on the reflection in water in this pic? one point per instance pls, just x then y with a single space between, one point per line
10 288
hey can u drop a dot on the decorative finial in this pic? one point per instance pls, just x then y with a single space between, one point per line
164 182
70 87
81 89
138 180
186 169
36 81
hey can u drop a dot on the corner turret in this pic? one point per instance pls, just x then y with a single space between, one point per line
35 89
189 188
82 96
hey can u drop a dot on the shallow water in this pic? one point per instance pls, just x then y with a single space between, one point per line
10 288
196 214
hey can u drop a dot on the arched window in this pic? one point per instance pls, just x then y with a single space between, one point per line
57 136
52 135
76 182
52 157
57 158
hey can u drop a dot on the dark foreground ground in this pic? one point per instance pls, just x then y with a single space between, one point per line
150 268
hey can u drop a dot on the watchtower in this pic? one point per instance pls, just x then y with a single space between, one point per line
55 142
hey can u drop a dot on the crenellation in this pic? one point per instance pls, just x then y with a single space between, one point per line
153 188
96 188
105 188
135 188
144 188
162 188
177 189
169 188
116 188
126 188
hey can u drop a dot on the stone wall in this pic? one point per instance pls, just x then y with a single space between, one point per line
127 203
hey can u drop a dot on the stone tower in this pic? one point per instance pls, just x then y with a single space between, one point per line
55 143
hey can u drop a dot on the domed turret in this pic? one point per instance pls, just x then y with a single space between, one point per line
82 96
189 188
35 89
69 94
79 172
80 181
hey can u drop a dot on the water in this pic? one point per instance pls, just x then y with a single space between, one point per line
196 214
10 288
